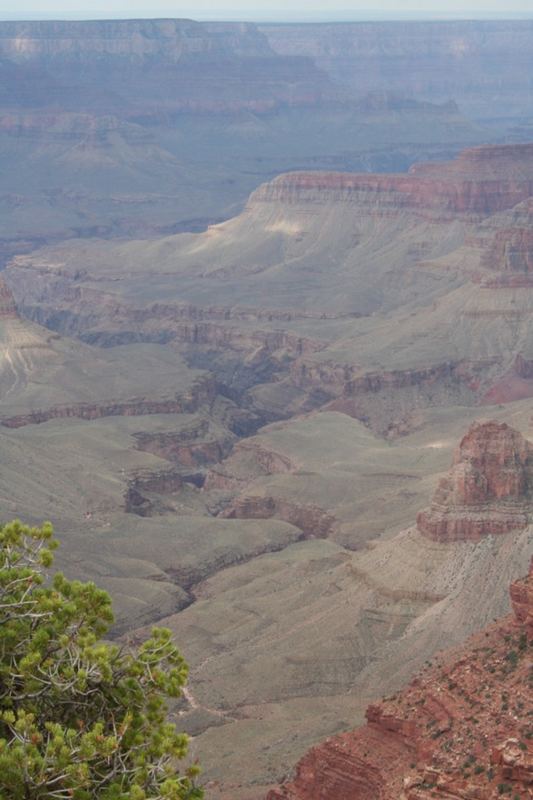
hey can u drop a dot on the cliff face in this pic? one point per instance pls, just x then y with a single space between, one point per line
171 40
460 731
205 67
481 181
203 391
425 59
488 489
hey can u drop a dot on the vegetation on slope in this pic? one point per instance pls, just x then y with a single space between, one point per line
80 718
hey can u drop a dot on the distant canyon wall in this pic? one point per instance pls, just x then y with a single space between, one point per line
123 65
484 65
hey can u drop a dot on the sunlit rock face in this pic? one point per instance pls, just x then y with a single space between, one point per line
480 181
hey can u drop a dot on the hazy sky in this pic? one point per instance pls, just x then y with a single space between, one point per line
262 9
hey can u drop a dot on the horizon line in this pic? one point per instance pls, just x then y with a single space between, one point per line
311 20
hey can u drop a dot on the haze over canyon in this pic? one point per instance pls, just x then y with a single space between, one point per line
267 363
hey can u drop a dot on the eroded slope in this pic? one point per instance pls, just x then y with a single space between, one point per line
462 729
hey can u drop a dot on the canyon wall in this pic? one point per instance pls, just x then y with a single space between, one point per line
205 67
460 731
481 181
469 61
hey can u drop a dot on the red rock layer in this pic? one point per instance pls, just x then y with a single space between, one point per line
480 182
351 381
488 489
462 730
202 392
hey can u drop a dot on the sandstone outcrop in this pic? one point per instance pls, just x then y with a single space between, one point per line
488 489
460 731
481 181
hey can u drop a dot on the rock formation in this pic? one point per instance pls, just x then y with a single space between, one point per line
481 181
460 731
488 489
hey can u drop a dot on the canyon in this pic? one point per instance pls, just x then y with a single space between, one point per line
285 501
266 362
91 145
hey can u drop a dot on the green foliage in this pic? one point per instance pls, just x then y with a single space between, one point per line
80 719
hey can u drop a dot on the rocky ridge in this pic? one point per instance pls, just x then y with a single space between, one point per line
488 489
481 181
461 730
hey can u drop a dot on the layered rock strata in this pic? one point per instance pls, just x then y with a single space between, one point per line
461 730
488 489
430 59
203 391
481 181
136 56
